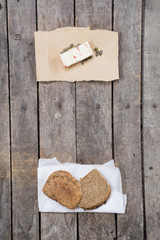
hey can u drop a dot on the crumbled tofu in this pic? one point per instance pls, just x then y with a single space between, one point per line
76 54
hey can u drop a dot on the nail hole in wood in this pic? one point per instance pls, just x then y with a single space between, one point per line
81 161
150 168
154 105
128 106
60 105
98 106
25 107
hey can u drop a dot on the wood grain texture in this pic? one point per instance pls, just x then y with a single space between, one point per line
5 198
93 108
127 136
57 119
22 24
57 139
151 117
55 14
93 114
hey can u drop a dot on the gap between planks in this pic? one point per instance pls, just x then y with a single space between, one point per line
74 15
38 116
10 124
112 108
141 120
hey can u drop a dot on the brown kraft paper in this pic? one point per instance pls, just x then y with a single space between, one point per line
48 46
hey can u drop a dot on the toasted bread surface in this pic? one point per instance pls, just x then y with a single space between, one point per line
62 187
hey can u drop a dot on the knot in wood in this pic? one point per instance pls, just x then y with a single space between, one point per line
17 37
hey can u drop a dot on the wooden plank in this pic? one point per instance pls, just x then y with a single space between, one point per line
151 117
22 24
57 119
5 198
127 135
57 139
93 114
94 146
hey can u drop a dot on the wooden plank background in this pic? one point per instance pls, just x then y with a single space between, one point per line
5 194
94 119
23 107
65 120
151 118
127 120
57 119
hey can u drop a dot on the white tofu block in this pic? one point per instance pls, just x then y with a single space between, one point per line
76 54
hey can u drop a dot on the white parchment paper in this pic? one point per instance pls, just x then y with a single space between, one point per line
115 204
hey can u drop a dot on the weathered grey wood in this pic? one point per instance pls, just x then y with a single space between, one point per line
55 14
57 139
93 114
22 24
57 119
151 117
93 108
5 198
127 135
